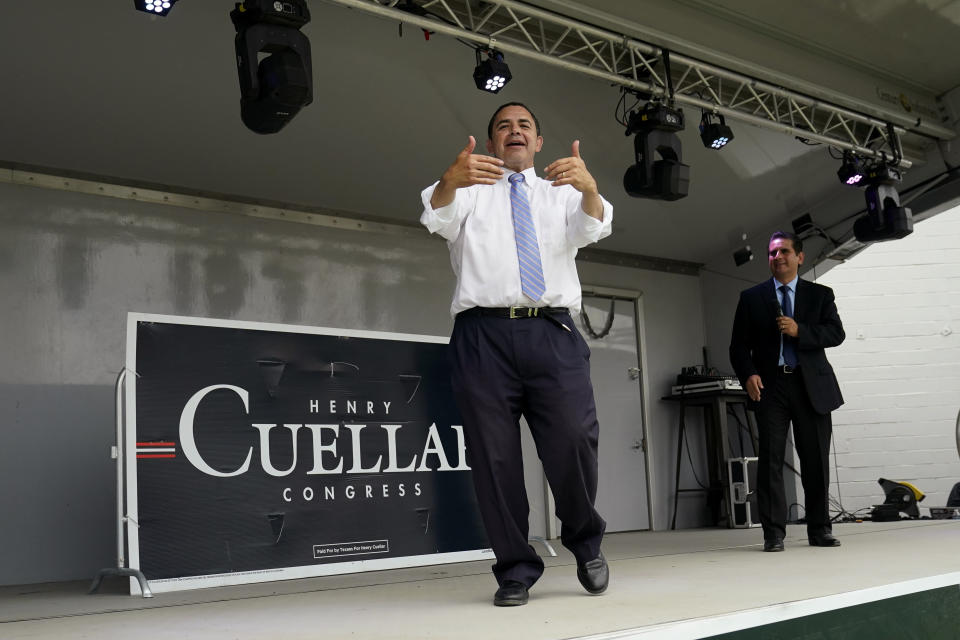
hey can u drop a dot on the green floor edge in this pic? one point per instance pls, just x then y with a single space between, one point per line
925 615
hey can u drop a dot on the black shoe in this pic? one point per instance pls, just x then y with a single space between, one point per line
511 594
823 540
774 544
594 575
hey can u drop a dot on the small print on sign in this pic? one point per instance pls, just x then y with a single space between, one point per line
350 549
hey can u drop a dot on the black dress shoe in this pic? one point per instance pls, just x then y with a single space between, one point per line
774 544
511 594
594 575
823 540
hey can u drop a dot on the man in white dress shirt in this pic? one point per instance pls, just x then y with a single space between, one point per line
514 349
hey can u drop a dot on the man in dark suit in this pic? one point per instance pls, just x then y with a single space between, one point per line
780 331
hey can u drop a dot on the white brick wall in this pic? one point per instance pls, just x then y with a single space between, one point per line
899 367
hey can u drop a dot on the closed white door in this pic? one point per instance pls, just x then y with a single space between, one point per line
615 371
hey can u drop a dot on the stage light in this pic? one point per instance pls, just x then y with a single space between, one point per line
853 169
667 178
743 255
492 73
655 116
274 89
885 219
715 135
883 174
155 7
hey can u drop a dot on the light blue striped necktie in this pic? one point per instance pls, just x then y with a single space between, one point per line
528 251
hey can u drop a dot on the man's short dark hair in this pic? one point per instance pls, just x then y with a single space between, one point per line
794 239
504 106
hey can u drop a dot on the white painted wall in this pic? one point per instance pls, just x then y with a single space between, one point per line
899 367
73 264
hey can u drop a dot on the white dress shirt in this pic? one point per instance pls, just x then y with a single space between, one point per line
478 227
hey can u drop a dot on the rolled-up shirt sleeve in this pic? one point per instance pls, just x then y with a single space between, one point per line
446 221
584 229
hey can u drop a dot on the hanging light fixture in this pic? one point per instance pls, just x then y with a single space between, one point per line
714 131
658 171
155 7
852 170
491 74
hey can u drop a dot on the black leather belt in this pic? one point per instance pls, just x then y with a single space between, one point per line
785 368
519 313
514 313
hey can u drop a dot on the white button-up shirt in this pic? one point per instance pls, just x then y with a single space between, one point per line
478 227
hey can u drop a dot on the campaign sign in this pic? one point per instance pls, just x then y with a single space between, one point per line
261 452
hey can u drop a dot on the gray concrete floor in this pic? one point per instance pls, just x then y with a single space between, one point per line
656 579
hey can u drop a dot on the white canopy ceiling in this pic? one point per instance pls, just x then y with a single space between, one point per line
98 88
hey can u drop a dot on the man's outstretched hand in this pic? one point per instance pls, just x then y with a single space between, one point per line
468 169
572 170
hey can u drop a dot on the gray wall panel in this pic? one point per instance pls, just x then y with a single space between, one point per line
71 267
58 501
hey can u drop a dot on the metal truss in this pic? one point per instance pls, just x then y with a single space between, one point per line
517 28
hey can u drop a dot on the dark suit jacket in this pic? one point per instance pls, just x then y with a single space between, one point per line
755 344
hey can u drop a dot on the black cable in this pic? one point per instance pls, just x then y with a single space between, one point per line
683 442
849 217
585 320
839 501
842 514
686 445
412 8
836 470
823 233
621 107
859 514
798 520
621 112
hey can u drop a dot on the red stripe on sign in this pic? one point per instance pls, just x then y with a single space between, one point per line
156 455
156 444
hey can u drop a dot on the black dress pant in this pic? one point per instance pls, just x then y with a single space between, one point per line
783 401
502 368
